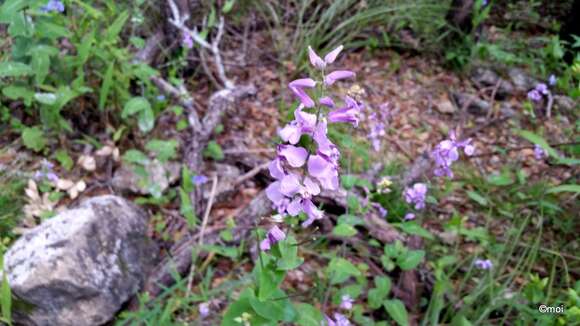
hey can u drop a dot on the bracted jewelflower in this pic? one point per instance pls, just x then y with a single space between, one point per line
338 75
329 58
552 80
446 152
303 123
349 114
273 236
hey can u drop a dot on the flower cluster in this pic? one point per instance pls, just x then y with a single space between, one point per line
416 195
292 191
485 264
53 6
46 172
378 122
537 93
447 152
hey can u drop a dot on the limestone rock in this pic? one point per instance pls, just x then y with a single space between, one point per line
80 266
489 78
521 80
159 178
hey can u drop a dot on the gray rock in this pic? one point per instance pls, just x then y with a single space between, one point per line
475 105
157 179
521 80
80 266
489 78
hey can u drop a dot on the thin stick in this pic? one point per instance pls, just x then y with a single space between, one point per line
250 174
202 232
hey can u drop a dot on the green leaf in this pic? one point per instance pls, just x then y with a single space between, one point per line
64 159
564 188
477 197
135 105
113 31
136 157
289 259
10 8
377 295
14 69
5 295
275 309
344 230
214 151
415 229
164 149
396 309
17 92
228 5
268 282
411 259
230 252
500 180
538 140
46 98
350 220
340 270
242 305
309 315
146 120
33 138
106 86
186 208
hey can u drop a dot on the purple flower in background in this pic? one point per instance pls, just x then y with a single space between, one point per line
349 113
297 87
46 172
377 122
346 302
203 309
187 41
484 3
338 75
198 180
303 123
409 217
339 320
483 264
317 61
416 195
382 211
552 80
539 152
272 237
447 152
542 88
53 6
534 95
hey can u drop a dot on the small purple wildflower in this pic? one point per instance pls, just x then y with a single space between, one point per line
53 6
203 309
297 87
338 75
349 113
483 264
346 302
272 237
46 172
416 195
542 88
539 152
446 152
160 98
187 41
409 217
552 80
339 320
534 95
198 180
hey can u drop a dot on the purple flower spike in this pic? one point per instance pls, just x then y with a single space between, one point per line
272 237
303 123
416 195
346 302
297 87
409 217
483 264
539 152
338 75
329 58
327 101
348 114
295 156
324 171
